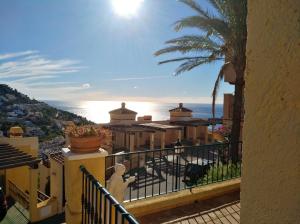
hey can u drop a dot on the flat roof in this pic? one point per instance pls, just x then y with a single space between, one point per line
193 122
11 157
128 128
160 127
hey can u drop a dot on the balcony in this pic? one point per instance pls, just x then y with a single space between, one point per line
198 184
177 185
162 171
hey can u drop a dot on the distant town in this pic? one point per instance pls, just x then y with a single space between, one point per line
35 117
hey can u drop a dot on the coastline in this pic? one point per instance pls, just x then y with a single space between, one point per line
98 111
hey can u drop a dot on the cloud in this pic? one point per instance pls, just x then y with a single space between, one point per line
31 79
17 54
140 78
100 95
28 64
86 86
48 84
68 91
39 76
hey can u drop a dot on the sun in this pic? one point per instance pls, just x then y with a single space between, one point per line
126 8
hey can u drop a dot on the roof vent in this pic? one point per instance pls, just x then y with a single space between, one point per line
123 105
180 105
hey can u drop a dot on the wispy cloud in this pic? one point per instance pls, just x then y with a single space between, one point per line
60 86
69 92
98 95
140 78
30 63
31 79
16 54
51 84
39 76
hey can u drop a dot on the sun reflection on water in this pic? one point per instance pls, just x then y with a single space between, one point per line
97 111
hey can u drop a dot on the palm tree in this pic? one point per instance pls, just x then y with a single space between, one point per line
222 36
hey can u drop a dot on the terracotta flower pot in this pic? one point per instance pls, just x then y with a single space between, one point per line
85 144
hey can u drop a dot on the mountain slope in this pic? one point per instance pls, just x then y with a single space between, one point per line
35 117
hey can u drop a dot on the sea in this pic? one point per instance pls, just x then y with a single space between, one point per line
98 111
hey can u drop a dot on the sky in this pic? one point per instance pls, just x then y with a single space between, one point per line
94 50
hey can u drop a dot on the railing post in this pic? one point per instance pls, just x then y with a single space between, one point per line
152 141
163 140
177 173
95 163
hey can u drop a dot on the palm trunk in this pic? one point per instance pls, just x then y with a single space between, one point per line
237 119
239 64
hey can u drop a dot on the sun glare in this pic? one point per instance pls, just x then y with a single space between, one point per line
126 8
97 111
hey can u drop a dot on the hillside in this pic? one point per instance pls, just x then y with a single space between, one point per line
35 117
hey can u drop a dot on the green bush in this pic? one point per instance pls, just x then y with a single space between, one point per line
221 172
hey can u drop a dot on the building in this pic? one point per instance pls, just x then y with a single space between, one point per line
132 134
270 172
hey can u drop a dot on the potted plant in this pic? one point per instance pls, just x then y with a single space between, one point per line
224 132
84 139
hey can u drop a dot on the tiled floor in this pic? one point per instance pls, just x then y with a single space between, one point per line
221 210
227 214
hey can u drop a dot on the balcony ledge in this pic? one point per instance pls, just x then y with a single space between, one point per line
164 202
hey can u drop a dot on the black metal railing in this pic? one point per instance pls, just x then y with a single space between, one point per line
98 206
173 169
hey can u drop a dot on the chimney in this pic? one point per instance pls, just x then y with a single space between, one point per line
180 105
123 105
16 132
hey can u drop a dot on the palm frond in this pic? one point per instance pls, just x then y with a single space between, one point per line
221 7
214 26
188 44
188 58
190 64
200 41
216 87
192 4
224 36
181 49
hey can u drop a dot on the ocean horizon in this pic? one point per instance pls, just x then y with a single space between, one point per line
98 111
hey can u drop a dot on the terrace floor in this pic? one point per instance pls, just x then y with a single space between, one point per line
221 210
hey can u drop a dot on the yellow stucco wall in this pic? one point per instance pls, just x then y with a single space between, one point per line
95 164
20 175
29 145
270 189
44 173
56 183
180 116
